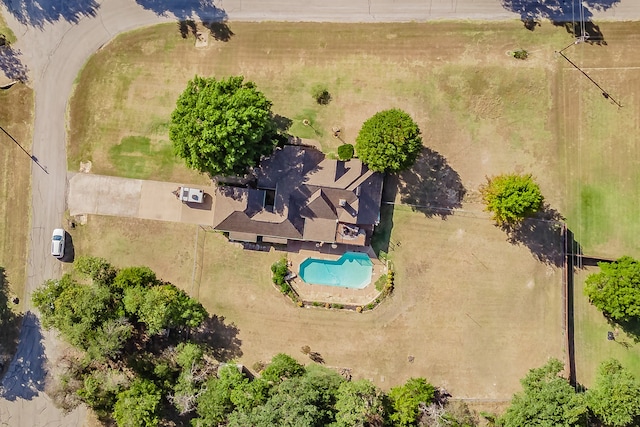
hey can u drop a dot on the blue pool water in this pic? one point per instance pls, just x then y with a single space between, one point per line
353 270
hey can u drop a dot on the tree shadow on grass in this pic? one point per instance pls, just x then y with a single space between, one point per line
542 234
220 31
184 10
431 186
220 337
11 65
37 13
25 377
9 323
565 13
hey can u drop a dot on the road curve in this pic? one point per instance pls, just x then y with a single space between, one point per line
56 52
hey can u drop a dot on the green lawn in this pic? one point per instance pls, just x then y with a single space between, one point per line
592 345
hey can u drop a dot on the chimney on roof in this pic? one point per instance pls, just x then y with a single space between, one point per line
342 202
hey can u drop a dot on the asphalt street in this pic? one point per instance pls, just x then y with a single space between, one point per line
55 45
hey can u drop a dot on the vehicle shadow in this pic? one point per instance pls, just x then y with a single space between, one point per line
69 248
576 17
220 337
25 377
37 13
431 186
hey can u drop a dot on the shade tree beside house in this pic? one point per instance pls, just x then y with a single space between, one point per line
389 141
222 127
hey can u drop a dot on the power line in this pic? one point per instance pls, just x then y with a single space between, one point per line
604 92
31 156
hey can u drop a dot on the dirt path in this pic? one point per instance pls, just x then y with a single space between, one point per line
54 51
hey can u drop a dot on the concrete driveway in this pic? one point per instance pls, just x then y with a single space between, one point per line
136 198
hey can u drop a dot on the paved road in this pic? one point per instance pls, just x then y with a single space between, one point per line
54 51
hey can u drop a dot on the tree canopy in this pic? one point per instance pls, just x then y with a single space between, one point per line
547 400
511 197
405 400
389 141
615 397
123 370
222 127
616 289
359 403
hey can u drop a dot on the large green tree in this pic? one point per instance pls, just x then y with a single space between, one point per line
616 289
389 141
359 404
615 398
406 399
222 127
511 197
547 400
138 406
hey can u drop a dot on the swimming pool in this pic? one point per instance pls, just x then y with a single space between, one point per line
353 270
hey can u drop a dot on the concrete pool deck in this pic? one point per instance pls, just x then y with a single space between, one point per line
297 252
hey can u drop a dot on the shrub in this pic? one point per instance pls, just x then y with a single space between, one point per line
521 54
370 306
316 304
381 282
321 94
280 271
345 151
359 309
511 198
338 306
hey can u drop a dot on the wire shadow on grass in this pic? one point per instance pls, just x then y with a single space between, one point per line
541 234
220 337
566 13
431 186
37 13
184 10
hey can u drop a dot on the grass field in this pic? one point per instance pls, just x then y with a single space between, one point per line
484 112
599 147
474 311
592 345
129 88
16 117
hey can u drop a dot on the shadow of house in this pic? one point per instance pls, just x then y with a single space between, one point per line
575 16
25 377
431 186
37 13
220 337
11 66
184 10
542 235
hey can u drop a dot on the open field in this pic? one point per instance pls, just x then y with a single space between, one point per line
16 117
598 145
506 317
481 111
472 101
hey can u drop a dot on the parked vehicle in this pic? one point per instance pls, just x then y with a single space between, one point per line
57 243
